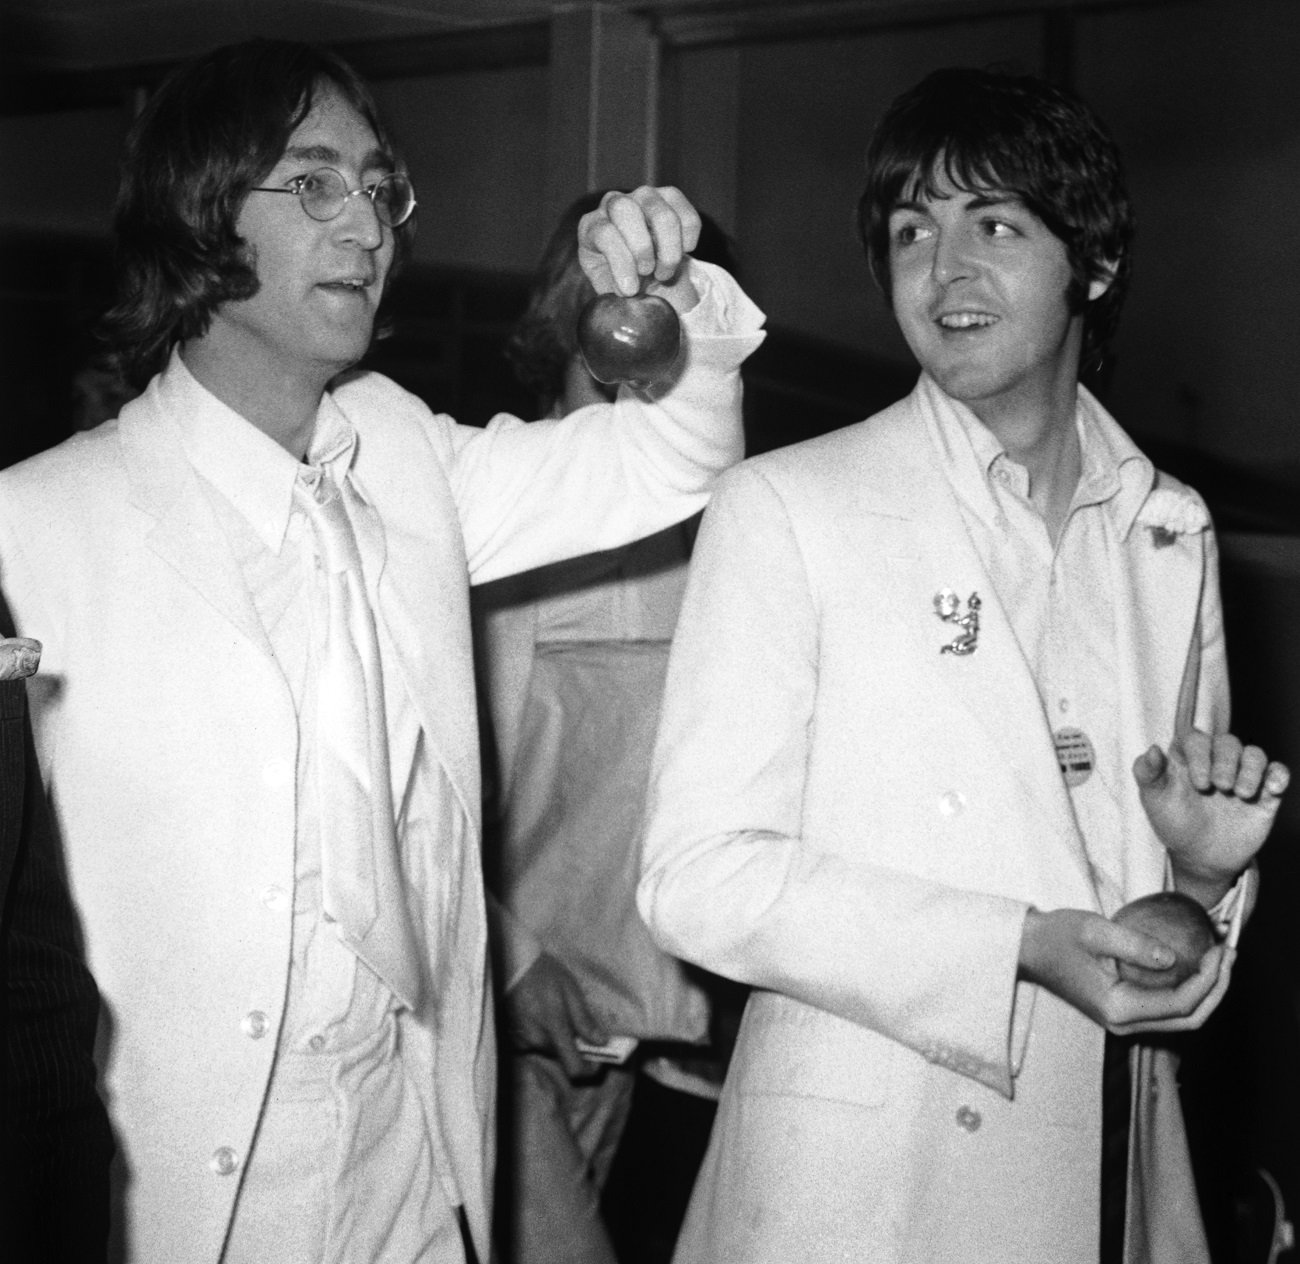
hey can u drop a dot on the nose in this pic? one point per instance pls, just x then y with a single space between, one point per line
953 259
358 222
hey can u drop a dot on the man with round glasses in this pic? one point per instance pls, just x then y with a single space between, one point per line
257 717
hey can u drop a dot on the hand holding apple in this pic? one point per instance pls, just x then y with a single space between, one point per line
1179 923
640 240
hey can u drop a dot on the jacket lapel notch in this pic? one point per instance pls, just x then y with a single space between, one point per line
185 533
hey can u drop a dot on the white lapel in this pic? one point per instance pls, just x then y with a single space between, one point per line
992 688
185 532
1158 581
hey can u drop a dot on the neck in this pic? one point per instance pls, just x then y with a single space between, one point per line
1040 434
281 403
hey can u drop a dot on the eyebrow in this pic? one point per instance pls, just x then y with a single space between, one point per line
375 160
977 202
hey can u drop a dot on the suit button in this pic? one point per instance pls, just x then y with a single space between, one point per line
224 1161
254 1024
274 897
969 1119
952 803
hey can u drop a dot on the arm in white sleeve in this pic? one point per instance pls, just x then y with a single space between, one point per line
529 494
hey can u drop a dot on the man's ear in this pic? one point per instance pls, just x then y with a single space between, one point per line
1099 285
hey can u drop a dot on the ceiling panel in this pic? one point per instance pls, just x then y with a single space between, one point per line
87 36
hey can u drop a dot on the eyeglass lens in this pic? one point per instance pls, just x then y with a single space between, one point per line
324 192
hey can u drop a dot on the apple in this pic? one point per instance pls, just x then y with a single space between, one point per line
1178 922
629 338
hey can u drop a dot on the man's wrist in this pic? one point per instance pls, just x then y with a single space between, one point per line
1207 888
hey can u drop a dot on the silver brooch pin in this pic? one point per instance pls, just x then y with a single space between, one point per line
946 606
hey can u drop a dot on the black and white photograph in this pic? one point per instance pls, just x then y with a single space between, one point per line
649 631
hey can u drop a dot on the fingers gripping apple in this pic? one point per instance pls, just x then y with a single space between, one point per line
1177 921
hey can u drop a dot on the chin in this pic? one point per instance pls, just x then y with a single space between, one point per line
965 385
344 354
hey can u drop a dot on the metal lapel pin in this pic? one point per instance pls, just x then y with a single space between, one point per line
946 606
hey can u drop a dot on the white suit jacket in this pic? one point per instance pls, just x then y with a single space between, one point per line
168 737
855 824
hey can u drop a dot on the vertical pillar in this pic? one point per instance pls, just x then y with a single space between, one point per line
701 130
603 103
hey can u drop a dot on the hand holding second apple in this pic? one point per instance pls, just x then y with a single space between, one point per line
638 242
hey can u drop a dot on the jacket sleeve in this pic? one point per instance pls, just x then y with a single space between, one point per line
529 494
732 881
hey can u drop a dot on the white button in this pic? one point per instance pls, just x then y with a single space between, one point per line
969 1119
1064 704
254 1024
275 897
952 803
316 1043
277 773
224 1161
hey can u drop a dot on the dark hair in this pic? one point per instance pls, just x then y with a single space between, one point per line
214 128
990 130
545 338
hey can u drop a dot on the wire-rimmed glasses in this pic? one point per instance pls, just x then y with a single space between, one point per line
324 192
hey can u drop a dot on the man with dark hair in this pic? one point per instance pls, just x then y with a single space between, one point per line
948 690
257 722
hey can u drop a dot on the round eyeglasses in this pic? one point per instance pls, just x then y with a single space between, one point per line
324 192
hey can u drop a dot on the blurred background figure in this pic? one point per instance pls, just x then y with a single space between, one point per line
572 664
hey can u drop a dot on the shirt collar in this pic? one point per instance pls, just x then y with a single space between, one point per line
1113 472
1112 461
253 472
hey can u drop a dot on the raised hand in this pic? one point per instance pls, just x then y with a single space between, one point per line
1211 802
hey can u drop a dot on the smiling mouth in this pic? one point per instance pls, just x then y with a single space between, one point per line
966 320
347 286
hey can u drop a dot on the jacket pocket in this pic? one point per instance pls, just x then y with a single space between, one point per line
794 1049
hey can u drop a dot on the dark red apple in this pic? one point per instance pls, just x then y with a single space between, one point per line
1177 921
629 338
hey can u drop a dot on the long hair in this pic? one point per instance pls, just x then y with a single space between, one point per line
214 128
545 338
1014 133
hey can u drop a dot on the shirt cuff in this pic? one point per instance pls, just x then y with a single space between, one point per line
1230 913
724 309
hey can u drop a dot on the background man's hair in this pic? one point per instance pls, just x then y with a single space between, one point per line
989 130
213 130
545 338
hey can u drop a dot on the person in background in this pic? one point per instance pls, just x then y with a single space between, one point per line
55 1143
948 689
258 723
571 667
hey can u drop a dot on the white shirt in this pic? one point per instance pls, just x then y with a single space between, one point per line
335 1003
1058 597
